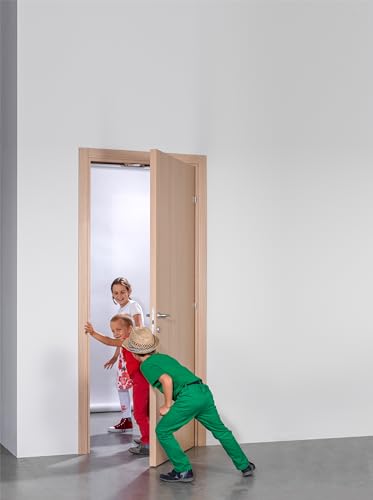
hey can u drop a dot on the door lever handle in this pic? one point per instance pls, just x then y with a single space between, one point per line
163 315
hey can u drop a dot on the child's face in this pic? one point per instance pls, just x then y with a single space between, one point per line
120 329
120 295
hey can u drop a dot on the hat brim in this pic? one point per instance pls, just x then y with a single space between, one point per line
140 350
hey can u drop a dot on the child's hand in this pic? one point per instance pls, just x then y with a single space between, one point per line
110 363
163 410
88 328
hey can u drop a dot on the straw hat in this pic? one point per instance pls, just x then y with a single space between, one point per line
141 341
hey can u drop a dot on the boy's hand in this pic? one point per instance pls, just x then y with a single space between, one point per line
110 363
88 328
163 410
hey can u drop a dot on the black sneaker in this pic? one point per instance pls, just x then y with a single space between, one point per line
249 470
177 477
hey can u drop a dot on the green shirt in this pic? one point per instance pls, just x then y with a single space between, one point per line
158 364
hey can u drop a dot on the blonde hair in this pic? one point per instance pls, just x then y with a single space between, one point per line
125 318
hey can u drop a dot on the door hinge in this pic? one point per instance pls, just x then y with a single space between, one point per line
195 199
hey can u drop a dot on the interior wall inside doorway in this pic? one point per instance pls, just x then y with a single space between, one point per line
120 246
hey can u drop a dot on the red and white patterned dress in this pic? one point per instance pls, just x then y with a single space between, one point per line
124 381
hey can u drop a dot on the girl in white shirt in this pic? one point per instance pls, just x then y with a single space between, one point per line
121 292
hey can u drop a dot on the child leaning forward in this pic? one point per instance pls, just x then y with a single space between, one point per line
121 325
192 399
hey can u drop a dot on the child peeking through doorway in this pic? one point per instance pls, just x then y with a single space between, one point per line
185 397
121 291
121 325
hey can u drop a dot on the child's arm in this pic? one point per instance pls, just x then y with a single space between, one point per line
167 387
113 360
88 328
137 320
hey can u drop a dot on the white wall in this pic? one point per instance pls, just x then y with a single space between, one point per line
278 95
290 218
8 233
120 246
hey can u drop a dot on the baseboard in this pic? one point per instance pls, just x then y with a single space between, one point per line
101 408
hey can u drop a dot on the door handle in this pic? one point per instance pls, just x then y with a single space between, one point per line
163 315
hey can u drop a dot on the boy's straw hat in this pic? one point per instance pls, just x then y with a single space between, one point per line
141 341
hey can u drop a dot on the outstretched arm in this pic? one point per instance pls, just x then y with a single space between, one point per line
102 338
167 387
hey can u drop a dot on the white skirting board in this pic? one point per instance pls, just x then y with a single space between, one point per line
100 408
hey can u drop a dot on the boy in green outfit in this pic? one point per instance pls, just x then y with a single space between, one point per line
192 399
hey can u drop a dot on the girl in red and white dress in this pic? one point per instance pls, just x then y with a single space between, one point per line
121 291
122 325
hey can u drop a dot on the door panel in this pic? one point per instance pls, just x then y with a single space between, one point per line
172 275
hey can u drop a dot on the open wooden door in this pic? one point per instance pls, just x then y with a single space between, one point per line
178 277
172 235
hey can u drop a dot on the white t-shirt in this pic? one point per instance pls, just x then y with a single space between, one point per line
132 308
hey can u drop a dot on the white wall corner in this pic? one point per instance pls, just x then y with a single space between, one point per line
8 233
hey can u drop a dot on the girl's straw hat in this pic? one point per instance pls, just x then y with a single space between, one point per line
141 341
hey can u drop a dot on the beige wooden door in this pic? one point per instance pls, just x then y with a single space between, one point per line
172 284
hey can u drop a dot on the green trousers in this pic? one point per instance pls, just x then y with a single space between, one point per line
196 401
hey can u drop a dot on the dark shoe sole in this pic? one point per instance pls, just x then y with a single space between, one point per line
186 480
249 472
141 453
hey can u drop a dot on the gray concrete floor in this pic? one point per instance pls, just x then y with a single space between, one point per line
302 470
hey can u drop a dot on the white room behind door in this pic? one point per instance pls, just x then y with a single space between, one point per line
120 243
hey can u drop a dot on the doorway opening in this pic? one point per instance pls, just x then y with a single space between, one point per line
119 247
177 269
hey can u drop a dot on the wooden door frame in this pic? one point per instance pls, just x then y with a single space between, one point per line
87 156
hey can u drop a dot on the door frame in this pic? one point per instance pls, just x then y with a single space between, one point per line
87 156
